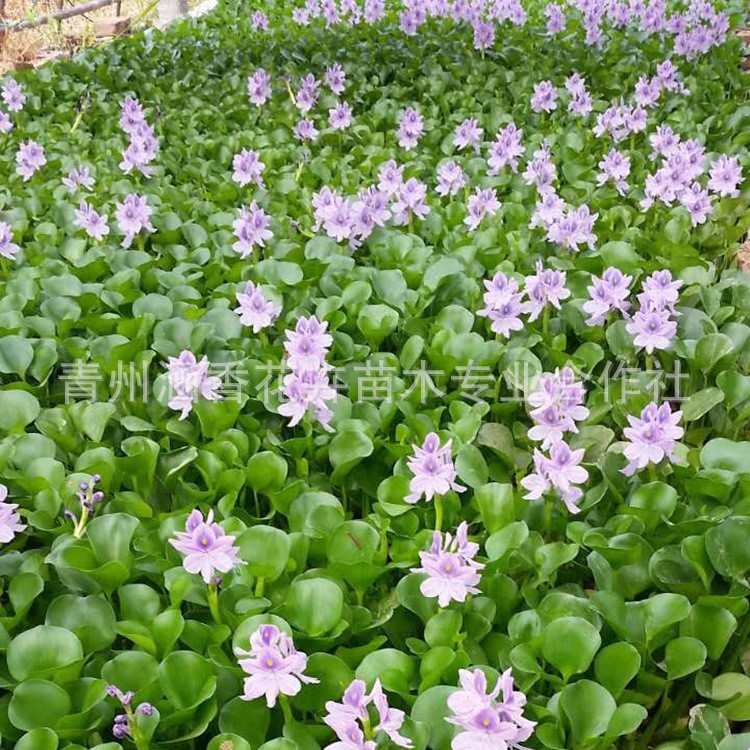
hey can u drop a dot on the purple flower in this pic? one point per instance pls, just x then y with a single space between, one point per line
503 304
29 158
484 34
452 572
248 168
258 87
661 289
482 203
664 141
580 102
343 718
557 402
8 248
259 21
307 345
340 116
506 150
561 472
607 294
544 287
555 18
573 229
651 437
9 519
205 547
390 178
188 379
133 215
301 16
410 128
615 166
255 308
697 202
725 175
541 171
273 666
468 133
132 116
652 328
335 78
411 200
486 722
6 124
13 95
549 209
77 178
305 130
307 96
433 470
251 229
451 178
141 150
544 98
93 223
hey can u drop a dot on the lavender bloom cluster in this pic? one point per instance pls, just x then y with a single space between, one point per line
189 379
433 470
142 147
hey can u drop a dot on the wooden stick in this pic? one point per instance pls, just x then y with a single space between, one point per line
57 16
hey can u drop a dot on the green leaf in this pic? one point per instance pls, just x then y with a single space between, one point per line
684 656
266 472
570 644
16 354
588 708
43 651
616 665
266 550
187 679
314 605
17 409
701 402
727 547
431 709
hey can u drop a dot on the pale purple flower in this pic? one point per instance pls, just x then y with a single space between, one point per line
544 98
9 518
273 665
410 200
724 176
664 141
301 16
258 87
555 18
546 286
607 294
390 178
651 437
259 21
557 404
580 102
340 116
141 150
484 34
6 124
343 718
652 328
541 170
432 469
452 572
451 178
29 158
503 304
335 78
205 547
697 201
78 178
661 289
307 95
307 345
468 133
486 722
251 229
8 248
560 472
307 392
410 128
255 309
93 223
548 209
505 150
188 379
573 229
647 91
132 115
13 95
615 166
482 203
305 130
248 168
133 215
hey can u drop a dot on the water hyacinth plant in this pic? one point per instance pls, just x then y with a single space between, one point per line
376 374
